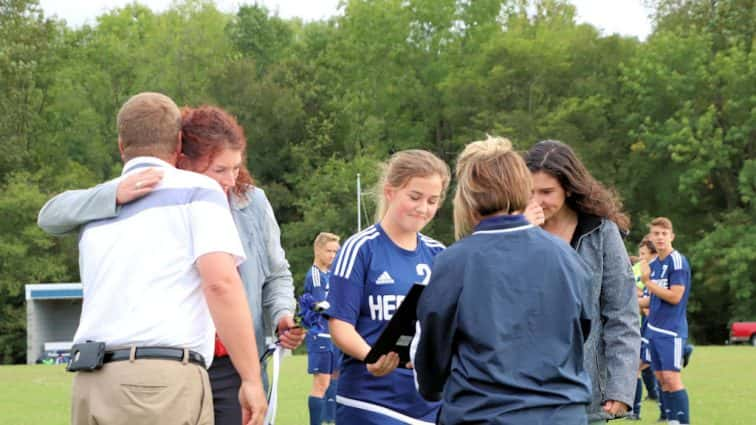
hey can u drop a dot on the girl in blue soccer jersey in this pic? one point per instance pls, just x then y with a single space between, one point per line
369 279
504 316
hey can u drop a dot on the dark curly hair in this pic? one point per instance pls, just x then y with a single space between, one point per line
585 194
207 130
648 244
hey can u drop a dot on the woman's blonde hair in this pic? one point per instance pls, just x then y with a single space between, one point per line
491 178
404 165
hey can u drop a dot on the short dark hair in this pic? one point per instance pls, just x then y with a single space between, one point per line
646 242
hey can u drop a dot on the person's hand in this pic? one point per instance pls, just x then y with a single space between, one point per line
136 185
645 271
289 334
384 365
534 213
253 403
615 408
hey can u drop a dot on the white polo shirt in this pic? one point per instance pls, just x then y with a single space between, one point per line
141 285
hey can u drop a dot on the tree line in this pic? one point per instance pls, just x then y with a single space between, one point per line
669 122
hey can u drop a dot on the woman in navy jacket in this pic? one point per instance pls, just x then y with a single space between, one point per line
503 319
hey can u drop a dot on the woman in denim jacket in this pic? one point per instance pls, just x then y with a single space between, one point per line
569 203
213 144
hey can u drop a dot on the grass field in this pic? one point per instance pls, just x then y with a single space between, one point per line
721 382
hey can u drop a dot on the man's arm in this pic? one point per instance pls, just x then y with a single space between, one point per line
227 303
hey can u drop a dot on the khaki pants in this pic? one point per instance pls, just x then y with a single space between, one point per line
144 392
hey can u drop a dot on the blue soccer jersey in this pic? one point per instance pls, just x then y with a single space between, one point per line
666 318
370 276
317 285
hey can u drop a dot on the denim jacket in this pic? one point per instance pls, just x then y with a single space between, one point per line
265 274
611 351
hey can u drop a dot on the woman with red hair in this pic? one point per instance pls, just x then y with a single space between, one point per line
213 144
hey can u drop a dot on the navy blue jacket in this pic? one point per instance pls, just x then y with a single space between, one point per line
503 321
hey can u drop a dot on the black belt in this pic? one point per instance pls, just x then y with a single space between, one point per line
164 353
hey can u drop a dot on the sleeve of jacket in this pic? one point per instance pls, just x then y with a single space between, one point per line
278 289
68 211
619 312
437 317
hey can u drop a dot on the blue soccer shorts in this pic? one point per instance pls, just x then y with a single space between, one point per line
666 352
322 356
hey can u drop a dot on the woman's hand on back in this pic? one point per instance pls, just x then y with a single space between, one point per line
137 185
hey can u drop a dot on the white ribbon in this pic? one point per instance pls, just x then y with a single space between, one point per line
270 416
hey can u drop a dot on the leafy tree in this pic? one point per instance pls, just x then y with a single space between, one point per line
694 91
260 36
668 122
25 57
27 255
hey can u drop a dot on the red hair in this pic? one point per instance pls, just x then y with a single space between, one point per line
206 131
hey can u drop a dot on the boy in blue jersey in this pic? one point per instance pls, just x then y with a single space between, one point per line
667 278
505 315
372 273
322 356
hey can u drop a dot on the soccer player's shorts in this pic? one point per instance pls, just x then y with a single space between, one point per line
355 415
321 354
645 353
666 352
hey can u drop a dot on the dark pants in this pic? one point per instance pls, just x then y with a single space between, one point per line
225 383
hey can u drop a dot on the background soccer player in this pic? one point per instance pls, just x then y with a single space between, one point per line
667 278
322 356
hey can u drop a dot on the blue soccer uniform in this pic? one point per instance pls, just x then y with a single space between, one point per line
370 277
322 356
667 323
645 355
668 329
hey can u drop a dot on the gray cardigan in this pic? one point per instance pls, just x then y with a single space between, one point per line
265 274
611 351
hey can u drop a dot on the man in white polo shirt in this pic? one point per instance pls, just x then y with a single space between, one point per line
155 279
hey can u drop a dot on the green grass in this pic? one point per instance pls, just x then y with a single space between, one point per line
721 382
